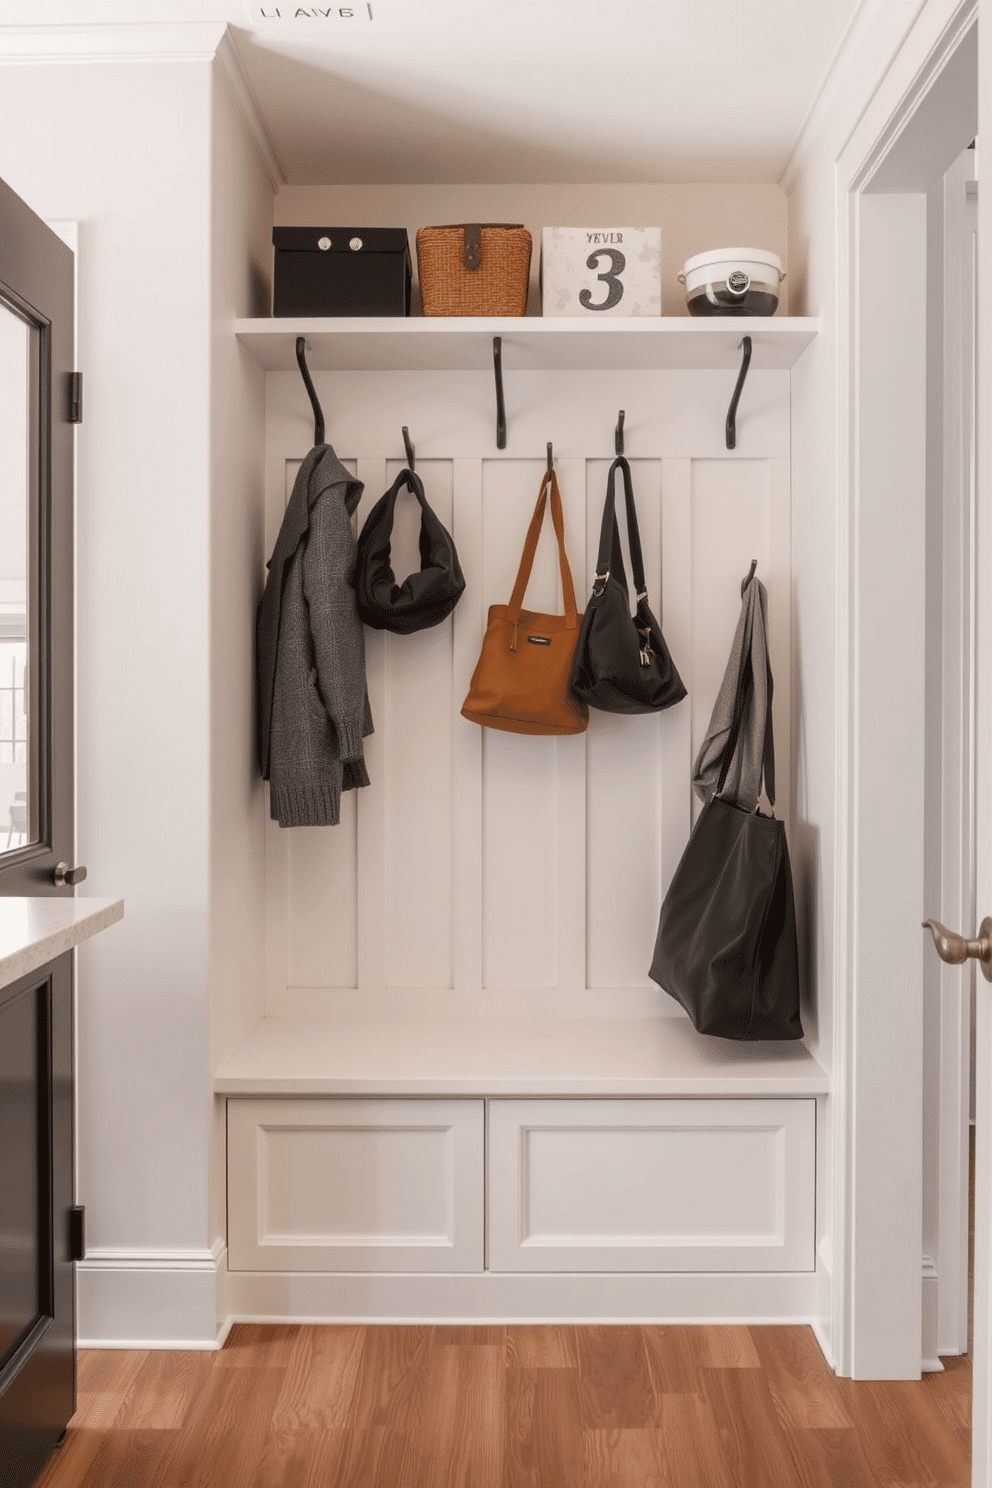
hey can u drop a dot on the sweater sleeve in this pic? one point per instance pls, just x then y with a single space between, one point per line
338 636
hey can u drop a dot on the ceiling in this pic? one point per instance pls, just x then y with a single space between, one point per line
451 91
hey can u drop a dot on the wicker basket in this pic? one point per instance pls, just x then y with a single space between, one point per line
480 268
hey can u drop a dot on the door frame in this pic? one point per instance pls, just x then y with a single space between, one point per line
876 1134
37 279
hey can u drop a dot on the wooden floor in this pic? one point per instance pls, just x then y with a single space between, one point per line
497 1407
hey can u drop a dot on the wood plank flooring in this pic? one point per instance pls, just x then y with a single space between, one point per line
508 1407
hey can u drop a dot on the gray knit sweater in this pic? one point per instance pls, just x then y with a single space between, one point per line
313 705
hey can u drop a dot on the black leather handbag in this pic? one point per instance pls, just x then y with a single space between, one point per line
726 947
622 664
429 595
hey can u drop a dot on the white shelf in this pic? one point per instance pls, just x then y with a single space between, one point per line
529 343
445 1056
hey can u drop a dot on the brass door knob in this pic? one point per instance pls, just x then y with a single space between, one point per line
955 950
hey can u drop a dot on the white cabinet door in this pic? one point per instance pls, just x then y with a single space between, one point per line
651 1185
355 1185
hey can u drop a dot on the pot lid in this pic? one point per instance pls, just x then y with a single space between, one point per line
733 256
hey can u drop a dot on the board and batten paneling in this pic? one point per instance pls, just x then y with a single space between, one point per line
489 870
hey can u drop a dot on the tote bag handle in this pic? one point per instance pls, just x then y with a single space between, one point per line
610 558
745 682
530 548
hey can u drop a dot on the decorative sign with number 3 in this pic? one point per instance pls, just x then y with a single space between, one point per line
601 270
614 288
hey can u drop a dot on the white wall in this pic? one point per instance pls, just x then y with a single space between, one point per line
692 218
241 213
123 150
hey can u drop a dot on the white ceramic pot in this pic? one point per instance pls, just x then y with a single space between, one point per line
732 281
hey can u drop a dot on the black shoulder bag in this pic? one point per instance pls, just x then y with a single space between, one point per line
427 596
726 947
622 664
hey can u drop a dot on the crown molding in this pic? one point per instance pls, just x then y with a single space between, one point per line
231 69
132 42
850 50
203 41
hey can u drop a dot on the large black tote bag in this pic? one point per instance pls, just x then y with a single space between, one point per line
726 947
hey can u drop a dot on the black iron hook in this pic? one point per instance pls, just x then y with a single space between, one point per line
500 405
732 411
411 459
551 459
748 576
618 436
318 414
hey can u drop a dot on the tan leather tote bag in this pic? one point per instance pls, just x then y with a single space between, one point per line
521 680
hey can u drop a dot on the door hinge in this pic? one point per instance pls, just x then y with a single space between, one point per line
77 1232
75 415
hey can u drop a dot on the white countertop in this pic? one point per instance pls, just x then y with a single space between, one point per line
445 1056
36 930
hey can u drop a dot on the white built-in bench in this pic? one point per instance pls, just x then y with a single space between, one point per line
484 1168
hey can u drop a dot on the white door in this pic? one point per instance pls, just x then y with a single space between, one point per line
954 947
982 1357
949 802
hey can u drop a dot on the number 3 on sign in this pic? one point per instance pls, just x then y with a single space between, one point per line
611 278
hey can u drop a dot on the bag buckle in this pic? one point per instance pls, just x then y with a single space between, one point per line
600 578
645 635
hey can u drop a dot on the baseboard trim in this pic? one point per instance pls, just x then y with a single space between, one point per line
148 1299
184 1261
180 1345
253 1296
820 1334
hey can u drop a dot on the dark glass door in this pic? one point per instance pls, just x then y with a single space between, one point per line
22 1082
37 1282
36 447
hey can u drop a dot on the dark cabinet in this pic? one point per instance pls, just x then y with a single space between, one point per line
37 1281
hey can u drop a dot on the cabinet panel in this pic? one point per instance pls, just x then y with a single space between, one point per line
339 1185
651 1185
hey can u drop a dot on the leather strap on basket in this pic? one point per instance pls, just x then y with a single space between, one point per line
530 548
472 241
610 558
472 249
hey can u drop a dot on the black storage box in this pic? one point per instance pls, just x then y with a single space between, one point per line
341 271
